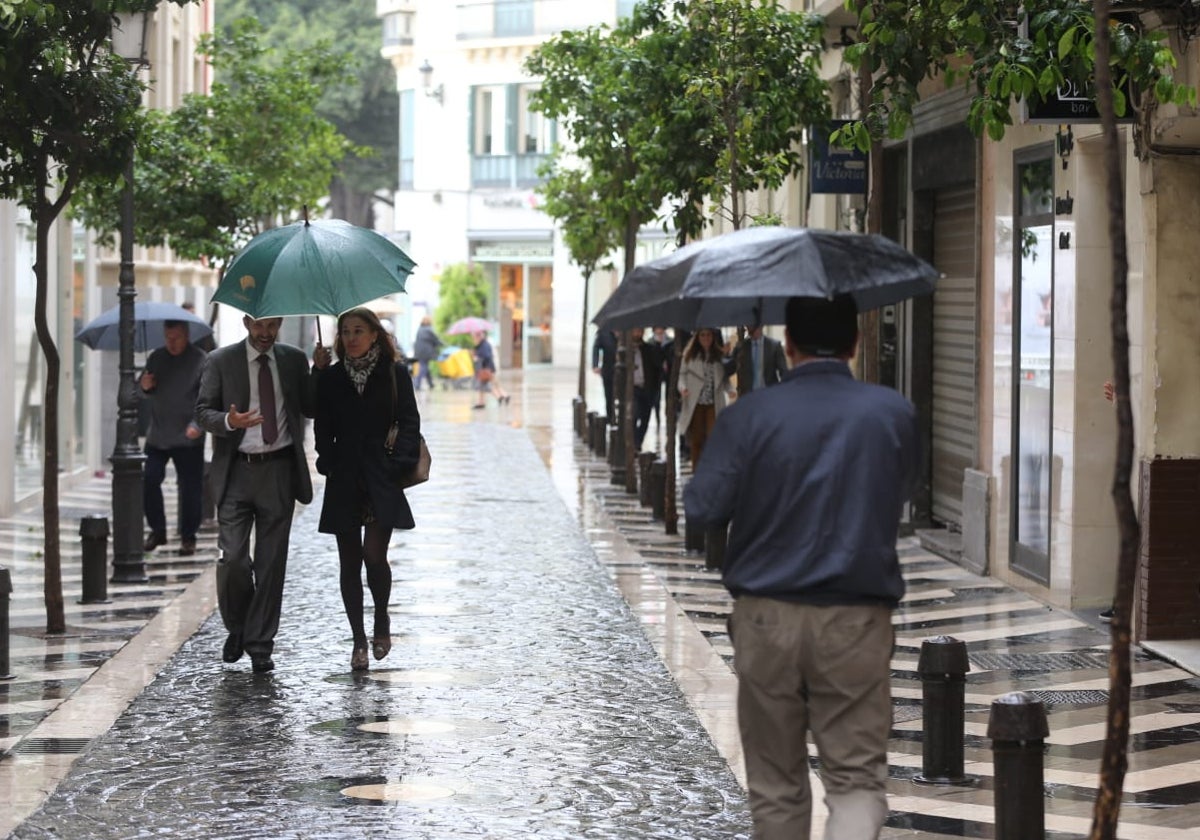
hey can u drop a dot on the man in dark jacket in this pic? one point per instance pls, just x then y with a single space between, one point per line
169 385
604 363
647 383
425 350
813 474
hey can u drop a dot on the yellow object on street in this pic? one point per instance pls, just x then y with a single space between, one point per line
456 365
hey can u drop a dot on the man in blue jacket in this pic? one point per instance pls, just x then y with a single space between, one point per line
813 474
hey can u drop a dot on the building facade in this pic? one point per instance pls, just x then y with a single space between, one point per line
83 283
470 148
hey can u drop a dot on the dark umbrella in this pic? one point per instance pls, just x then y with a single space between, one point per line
148 319
747 276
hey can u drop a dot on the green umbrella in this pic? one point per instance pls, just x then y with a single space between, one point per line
312 268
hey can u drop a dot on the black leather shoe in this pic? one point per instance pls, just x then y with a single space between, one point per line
187 548
153 541
233 648
262 664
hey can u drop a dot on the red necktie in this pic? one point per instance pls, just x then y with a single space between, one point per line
266 400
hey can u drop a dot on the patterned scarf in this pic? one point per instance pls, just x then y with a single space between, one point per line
359 370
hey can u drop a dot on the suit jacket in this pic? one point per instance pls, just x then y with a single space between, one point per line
226 381
774 362
350 430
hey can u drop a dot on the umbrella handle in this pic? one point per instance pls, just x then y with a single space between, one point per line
320 341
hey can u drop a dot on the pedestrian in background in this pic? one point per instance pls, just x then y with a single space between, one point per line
604 365
485 372
663 348
813 474
254 396
703 389
358 400
425 348
758 361
170 383
647 383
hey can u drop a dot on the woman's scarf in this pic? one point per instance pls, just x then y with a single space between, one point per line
359 370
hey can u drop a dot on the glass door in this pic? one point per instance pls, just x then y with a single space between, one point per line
1033 363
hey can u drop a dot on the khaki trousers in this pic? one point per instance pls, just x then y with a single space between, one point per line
824 669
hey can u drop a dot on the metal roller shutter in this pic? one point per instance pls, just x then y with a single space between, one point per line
954 425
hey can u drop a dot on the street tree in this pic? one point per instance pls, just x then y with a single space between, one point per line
69 110
570 198
224 166
750 86
602 88
363 106
1005 53
679 111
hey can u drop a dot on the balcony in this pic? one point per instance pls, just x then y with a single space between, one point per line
482 20
506 171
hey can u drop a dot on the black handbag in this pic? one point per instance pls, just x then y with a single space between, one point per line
419 473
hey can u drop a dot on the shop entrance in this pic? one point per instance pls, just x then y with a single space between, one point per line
525 311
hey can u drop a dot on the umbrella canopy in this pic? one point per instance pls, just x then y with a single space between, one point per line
747 276
313 268
465 326
148 319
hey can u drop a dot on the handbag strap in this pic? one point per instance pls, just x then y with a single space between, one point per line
395 397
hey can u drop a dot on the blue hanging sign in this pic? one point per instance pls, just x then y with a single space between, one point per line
836 170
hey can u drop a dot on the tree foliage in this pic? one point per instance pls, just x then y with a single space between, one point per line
224 166
69 110
364 106
1005 52
463 292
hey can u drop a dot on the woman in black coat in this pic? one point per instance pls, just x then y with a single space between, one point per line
358 399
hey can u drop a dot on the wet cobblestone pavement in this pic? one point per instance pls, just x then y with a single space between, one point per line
520 699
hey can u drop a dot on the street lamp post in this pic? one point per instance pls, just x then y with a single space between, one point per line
128 462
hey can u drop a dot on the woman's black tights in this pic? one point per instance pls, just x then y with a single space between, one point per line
354 550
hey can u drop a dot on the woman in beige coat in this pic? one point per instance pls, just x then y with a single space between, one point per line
703 389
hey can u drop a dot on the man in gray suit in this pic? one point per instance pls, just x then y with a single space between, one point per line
259 472
759 361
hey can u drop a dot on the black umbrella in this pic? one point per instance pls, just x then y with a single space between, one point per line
149 317
747 276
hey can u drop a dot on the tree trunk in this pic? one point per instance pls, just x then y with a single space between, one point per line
355 207
44 213
587 278
670 509
868 345
627 351
1115 761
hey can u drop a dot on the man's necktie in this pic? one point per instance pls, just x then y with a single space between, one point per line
756 361
266 400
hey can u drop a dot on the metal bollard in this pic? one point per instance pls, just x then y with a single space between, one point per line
5 591
658 489
94 531
616 456
943 667
644 460
1018 728
576 417
589 436
714 548
600 436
